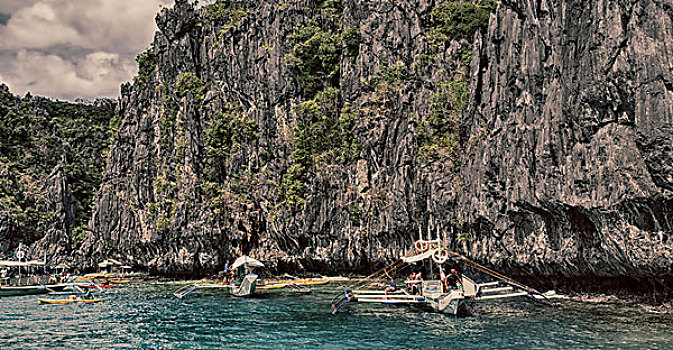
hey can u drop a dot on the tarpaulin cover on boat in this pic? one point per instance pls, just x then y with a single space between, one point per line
247 261
109 262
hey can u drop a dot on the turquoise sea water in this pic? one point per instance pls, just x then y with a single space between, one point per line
148 316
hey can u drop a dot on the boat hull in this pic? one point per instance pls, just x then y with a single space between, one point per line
433 297
9 291
95 285
448 304
120 281
246 288
451 302
69 301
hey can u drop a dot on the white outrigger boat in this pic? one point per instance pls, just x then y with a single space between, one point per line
437 294
244 288
249 283
32 282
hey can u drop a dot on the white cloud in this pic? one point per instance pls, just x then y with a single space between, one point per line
10 6
94 75
74 48
121 25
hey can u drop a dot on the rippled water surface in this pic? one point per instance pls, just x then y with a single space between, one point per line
148 316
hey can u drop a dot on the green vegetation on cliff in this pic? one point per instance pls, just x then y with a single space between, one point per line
36 136
189 82
317 48
387 84
315 58
224 16
223 13
351 38
455 20
437 135
322 135
167 120
323 131
226 130
146 64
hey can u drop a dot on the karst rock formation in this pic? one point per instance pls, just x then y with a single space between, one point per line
328 136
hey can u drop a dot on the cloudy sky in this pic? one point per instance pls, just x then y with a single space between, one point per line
69 49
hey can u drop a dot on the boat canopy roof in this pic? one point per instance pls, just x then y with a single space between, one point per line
247 261
109 262
418 257
12 263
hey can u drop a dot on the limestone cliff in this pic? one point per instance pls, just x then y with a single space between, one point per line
569 173
327 135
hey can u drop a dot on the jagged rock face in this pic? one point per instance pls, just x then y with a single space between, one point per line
56 243
355 213
569 174
566 170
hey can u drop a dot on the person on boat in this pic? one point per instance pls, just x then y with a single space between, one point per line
237 275
392 287
87 294
442 277
413 287
410 286
453 280
418 276
227 271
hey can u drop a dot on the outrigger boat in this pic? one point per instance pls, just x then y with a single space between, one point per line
33 289
244 288
436 294
70 300
249 284
26 285
74 295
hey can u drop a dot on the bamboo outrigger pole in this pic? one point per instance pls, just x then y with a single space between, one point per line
498 275
377 275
